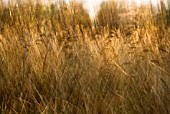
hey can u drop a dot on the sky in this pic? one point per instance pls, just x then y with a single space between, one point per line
93 6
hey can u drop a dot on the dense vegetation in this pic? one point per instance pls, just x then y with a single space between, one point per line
54 59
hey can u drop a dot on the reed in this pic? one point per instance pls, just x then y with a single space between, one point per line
53 59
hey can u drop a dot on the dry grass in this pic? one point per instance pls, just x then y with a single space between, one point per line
51 65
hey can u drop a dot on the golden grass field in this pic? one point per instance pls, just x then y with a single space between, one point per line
54 60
